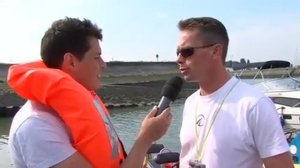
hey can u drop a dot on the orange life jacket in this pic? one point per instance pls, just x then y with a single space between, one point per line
83 112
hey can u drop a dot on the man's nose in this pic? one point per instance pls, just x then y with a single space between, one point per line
179 59
102 63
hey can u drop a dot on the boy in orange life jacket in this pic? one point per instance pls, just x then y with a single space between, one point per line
63 124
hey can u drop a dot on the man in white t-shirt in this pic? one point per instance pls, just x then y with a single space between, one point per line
226 123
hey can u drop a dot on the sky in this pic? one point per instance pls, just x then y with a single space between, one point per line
137 30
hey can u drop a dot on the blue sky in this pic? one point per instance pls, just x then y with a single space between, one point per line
137 30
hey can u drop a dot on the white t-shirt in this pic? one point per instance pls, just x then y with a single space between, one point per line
38 138
246 129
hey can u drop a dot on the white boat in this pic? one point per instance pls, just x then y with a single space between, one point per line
283 90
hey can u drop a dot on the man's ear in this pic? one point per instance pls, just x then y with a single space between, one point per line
68 62
217 51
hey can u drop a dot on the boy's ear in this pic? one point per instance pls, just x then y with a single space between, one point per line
69 61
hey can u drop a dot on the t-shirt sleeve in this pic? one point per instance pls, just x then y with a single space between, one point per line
266 128
43 143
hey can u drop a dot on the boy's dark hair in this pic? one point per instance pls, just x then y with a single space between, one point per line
67 35
210 30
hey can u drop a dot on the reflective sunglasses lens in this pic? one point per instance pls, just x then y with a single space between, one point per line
187 52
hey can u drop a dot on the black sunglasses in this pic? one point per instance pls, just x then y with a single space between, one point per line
189 51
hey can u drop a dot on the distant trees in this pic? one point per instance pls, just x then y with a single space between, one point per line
243 61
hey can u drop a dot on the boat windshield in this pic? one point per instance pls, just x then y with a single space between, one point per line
278 84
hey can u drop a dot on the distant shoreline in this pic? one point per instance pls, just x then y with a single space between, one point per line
113 95
129 85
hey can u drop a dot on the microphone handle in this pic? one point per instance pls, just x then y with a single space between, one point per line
163 104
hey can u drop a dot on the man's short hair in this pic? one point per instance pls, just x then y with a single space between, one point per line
210 30
67 35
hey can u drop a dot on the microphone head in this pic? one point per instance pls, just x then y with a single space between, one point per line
172 88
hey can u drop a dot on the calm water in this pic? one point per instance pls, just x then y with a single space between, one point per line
127 122
4 155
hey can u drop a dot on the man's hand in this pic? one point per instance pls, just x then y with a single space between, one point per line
153 128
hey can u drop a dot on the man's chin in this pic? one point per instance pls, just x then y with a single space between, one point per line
190 79
94 88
